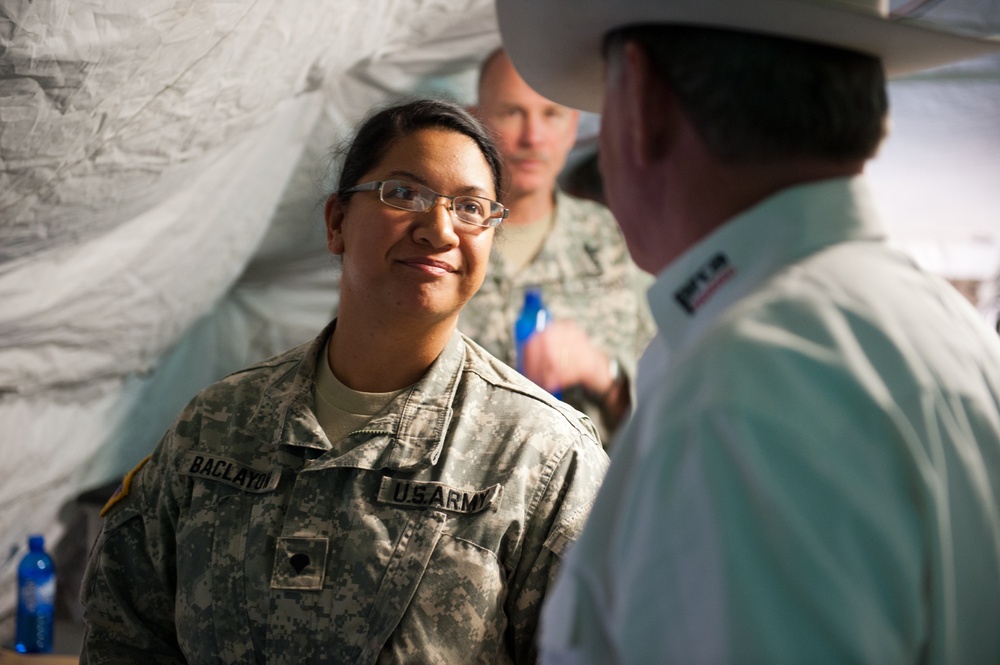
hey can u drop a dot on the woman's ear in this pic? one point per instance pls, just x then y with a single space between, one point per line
334 214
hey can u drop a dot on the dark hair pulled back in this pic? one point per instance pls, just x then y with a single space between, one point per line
383 128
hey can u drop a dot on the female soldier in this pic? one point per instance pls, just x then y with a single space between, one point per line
386 493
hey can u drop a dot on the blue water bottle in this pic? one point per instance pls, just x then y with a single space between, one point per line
36 595
534 317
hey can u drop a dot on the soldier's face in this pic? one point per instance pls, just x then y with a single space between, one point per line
400 264
534 134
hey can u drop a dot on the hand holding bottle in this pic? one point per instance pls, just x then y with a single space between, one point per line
562 355
558 354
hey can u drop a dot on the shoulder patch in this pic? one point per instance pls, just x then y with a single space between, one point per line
123 489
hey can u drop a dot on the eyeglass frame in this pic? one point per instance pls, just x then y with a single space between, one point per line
377 185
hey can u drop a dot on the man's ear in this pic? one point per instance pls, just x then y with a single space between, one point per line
650 107
572 128
334 214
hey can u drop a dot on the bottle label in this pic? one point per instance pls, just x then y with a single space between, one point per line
38 597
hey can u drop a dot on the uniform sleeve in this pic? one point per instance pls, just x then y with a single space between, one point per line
129 586
620 322
572 483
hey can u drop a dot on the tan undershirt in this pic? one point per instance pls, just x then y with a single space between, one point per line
339 409
520 243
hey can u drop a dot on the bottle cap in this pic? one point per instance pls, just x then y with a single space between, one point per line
533 298
36 542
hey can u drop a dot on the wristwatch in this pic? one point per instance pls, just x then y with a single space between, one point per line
615 370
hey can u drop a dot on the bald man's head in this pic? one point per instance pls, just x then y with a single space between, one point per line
534 134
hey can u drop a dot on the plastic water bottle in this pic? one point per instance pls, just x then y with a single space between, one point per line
36 594
534 317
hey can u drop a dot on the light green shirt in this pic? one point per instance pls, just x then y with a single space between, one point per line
814 477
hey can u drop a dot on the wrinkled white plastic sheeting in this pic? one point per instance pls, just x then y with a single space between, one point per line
161 174
936 177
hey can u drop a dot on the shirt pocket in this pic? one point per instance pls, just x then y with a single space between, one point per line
216 557
607 308
457 612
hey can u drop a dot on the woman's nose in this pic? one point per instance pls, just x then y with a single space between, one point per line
437 225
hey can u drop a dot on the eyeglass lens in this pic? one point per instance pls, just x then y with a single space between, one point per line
409 196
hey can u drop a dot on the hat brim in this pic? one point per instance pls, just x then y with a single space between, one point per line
556 44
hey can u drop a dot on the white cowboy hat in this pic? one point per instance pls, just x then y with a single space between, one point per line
556 44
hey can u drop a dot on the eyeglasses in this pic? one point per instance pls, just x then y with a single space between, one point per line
411 196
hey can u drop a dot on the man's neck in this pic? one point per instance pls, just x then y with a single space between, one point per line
530 207
743 187
703 194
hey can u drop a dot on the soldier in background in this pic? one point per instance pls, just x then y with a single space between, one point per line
570 248
386 493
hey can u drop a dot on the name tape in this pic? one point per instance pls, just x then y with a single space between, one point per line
229 472
425 494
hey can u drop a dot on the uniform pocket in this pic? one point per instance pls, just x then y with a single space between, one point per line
457 613
212 594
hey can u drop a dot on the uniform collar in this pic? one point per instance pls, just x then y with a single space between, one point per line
740 255
566 253
407 434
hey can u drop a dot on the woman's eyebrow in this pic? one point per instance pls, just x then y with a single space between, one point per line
468 190
406 175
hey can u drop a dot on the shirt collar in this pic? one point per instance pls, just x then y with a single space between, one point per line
735 259
566 254
409 433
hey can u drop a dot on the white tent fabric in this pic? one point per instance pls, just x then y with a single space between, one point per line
162 166
937 177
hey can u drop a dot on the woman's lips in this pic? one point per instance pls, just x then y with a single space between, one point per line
428 265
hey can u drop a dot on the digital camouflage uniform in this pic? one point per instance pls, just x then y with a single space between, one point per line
586 275
432 540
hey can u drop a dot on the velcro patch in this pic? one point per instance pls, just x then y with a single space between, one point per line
425 494
123 489
229 472
299 563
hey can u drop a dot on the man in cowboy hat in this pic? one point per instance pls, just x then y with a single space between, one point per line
814 477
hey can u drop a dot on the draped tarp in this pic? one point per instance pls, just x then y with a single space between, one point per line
162 169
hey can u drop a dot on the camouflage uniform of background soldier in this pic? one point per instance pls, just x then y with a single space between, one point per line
432 540
586 275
